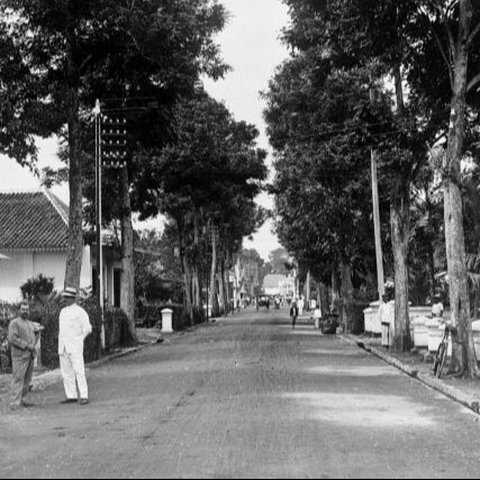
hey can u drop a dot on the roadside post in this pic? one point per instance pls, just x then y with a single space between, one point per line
167 320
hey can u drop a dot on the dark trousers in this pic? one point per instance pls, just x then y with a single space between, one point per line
22 370
294 320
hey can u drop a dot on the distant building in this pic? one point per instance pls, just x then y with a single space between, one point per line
276 284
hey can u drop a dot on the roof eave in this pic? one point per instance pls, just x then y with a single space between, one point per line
33 249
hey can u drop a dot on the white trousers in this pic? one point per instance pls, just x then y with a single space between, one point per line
73 369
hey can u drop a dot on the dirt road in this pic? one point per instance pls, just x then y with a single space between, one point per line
244 397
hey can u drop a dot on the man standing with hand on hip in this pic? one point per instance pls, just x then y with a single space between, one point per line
22 337
74 327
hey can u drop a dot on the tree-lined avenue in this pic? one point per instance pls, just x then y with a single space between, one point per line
244 397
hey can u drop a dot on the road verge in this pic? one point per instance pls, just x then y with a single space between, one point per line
468 400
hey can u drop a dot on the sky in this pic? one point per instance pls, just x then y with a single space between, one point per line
250 45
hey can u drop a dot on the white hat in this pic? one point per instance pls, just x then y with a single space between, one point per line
69 292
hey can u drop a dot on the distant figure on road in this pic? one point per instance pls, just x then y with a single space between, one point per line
22 337
317 316
300 305
74 327
294 314
277 303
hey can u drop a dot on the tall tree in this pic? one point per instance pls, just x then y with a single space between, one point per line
205 180
73 51
460 22
321 124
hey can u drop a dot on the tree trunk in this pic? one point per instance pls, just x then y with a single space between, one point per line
334 287
227 289
187 285
400 228
474 199
75 180
196 287
400 231
127 292
322 297
213 275
197 291
347 296
186 275
307 289
221 288
476 302
463 349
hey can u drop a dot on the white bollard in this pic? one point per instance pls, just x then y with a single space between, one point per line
167 320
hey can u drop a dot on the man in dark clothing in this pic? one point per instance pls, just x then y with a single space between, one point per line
294 313
22 337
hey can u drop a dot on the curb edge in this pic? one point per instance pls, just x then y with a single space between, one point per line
470 401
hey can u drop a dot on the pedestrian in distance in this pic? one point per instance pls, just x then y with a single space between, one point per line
301 305
74 327
22 337
294 314
437 307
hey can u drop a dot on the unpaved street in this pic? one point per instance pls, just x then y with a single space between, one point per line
244 397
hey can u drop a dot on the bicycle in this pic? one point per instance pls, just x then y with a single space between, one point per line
442 350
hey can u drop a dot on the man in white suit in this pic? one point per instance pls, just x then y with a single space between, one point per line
74 327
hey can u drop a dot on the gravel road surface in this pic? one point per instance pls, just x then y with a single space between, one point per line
243 397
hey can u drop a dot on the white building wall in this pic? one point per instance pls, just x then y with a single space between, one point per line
50 265
21 266
86 269
14 272
272 291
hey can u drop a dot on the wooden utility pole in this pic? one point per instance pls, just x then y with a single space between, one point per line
98 217
376 225
110 152
376 213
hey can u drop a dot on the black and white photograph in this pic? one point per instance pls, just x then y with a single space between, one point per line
239 239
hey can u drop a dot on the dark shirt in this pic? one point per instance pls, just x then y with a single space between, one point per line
21 334
294 311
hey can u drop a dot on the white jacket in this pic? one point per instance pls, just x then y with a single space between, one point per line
74 326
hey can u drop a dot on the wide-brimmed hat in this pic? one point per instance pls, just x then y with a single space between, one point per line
69 292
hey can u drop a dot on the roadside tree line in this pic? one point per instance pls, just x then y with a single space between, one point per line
187 157
399 82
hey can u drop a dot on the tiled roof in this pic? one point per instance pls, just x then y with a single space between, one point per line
33 221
